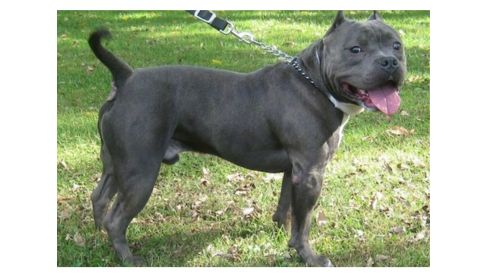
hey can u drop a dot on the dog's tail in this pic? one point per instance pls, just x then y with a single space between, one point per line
119 69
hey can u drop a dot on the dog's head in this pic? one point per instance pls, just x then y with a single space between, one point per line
361 62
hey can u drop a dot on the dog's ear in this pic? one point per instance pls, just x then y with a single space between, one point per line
339 19
375 16
311 57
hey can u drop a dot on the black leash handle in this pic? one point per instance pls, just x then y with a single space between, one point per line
211 18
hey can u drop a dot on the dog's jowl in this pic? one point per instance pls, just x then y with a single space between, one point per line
271 120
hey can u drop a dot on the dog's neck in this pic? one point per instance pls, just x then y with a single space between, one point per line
347 108
310 61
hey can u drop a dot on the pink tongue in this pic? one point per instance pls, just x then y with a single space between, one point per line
386 99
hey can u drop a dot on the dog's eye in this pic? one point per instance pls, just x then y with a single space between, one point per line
355 49
397 46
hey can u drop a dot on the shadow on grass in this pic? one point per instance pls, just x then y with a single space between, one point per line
179 249
393 253
176 248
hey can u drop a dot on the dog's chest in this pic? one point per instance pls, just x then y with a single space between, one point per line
339 131
334 141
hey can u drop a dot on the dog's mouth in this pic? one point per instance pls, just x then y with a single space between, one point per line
384 98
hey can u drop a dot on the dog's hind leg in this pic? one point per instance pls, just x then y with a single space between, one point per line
105 190
136 167
135 187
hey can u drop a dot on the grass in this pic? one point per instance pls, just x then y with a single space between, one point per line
376 192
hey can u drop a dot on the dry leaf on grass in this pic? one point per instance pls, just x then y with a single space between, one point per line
227 256
248 211
78 239
62 164
232 253
397 230
241 192
381 258
96 177
199 201
321 219
220 212
75 187
194 213
416 162
376 197
420 236
159 217
65 213
270 177
235 178
90 68
360 235
205 180
205 171
402 166
400 131
370 262
244 189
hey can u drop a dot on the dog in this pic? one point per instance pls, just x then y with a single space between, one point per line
286 117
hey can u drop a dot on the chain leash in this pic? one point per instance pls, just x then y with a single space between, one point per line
248 38
226 27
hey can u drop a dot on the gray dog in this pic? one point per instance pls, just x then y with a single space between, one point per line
287 118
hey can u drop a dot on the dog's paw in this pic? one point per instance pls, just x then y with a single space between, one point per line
134 261
320 261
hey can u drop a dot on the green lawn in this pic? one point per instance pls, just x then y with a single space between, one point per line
376 192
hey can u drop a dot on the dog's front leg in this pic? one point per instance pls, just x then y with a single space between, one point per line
307 181
285 201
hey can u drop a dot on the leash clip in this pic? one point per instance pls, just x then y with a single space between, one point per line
245 37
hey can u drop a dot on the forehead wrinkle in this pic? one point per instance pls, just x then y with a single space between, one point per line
384 36
363 37
381 34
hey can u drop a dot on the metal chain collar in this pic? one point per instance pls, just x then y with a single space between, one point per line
300 70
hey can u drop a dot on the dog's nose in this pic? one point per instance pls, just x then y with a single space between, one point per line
388 64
